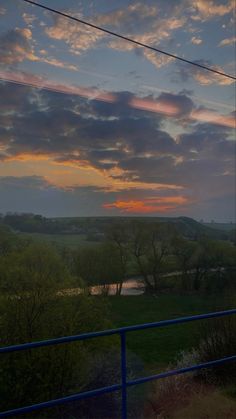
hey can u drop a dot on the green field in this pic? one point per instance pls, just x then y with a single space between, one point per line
72 241
158 347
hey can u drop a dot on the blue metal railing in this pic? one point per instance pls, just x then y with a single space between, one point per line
124 383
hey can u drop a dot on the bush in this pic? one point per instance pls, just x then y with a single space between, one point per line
172 393
219 341
31 310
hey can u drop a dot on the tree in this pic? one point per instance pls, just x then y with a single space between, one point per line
211 257
183 250
201 261
9 241
99 265
119 237
150 245
29 280
31 309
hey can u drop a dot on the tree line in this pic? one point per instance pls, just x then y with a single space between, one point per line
31 274
159 255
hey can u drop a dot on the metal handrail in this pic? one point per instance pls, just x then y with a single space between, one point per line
124 383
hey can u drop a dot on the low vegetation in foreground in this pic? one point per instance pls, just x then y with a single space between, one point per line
182 272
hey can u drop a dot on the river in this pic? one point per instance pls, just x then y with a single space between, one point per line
130 287
133 286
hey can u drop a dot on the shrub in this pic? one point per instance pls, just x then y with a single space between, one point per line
218 341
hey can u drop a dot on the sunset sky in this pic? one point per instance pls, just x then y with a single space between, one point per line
93 125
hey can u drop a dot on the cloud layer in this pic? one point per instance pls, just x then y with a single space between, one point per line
130 147
77 140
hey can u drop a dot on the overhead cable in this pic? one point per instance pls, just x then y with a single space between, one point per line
131 40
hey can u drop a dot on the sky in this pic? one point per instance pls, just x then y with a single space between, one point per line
91 125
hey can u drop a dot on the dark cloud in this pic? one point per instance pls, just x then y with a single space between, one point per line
184 104
15 97
150 169
72 129
207 141
120 108
15 46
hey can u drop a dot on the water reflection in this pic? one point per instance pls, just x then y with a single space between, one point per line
129 287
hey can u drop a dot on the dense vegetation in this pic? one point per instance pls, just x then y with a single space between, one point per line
96 227
177 266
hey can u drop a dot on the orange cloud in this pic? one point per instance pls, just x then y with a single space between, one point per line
208 116
27 157
154 106
118 185
148 205
79 38
21 48
196 41
227 41
209 9
206 79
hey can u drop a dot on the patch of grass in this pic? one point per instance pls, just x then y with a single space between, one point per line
160 346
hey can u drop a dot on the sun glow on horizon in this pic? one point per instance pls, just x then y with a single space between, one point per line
148 205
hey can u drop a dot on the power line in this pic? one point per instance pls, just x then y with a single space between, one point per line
125 38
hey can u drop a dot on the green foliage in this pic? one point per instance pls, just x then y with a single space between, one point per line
218 340
33 306
99 265
9 241
45 373
36 266
33 223
70 241
31 309
150 246
118 235
183 251
96 227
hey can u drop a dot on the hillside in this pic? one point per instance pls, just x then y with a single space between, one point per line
193 229
95 228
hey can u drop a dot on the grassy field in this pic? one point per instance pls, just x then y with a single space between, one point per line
158 347
72 241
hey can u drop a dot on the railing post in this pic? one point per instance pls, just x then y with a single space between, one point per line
123 375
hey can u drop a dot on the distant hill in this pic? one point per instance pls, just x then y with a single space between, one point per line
221 226
96 227
192 228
